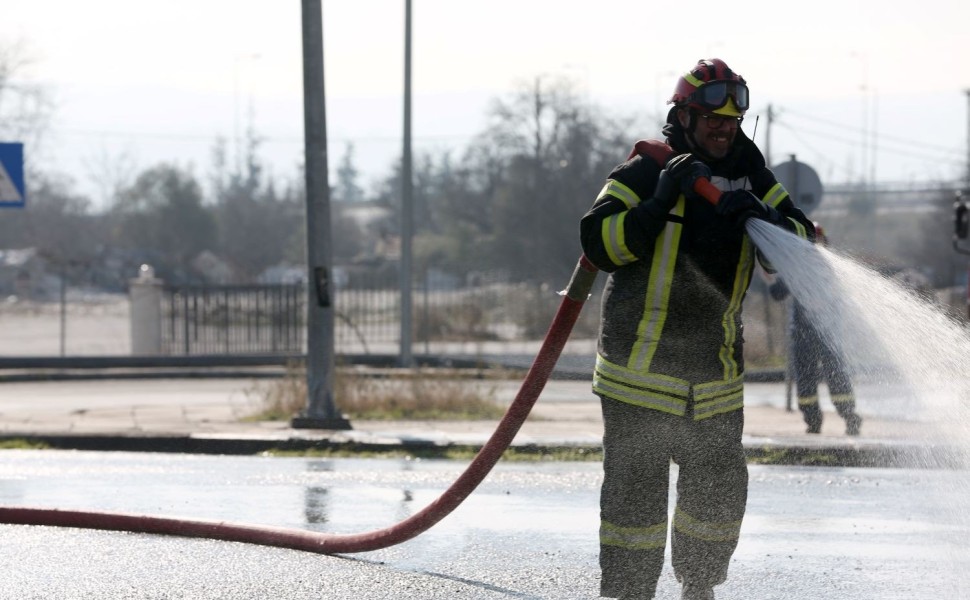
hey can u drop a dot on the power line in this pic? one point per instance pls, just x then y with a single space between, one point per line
882 137
820 155
949 157
937 155
197 137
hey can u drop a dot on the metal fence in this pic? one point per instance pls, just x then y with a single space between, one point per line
233 319
487 318
251 319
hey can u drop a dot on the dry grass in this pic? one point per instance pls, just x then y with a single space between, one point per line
406 395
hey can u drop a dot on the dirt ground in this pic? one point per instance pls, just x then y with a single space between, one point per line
97 326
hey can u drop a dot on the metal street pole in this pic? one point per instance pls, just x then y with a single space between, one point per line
406 201
967 182
321 411
771 119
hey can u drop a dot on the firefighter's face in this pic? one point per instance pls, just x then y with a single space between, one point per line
714 133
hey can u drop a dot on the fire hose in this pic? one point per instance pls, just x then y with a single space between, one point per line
573 298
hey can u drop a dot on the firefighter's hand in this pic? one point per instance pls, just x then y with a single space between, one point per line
740 205
687 170
678 176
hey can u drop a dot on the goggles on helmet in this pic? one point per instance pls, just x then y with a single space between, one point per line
714 95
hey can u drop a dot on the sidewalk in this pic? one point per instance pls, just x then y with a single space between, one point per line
210 416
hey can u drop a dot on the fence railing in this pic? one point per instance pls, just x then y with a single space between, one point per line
487 318
254 319
233 319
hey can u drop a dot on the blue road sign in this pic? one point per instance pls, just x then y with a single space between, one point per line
12 192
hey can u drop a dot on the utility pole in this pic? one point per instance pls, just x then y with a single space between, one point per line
407 209
771 118
873 135
968 139
321 411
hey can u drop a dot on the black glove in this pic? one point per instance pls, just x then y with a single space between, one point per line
740 205
679 175
687 170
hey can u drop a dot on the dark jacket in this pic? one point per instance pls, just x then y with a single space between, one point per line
671 323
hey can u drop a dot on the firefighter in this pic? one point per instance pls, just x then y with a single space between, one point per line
814 360
669 363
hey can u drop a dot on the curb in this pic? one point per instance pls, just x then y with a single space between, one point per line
851 453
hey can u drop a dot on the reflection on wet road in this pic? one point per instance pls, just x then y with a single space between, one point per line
529 531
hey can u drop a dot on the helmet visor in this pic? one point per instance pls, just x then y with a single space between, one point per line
715 94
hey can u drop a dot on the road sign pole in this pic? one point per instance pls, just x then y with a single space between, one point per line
12 191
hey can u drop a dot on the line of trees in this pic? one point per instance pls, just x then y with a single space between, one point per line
510 202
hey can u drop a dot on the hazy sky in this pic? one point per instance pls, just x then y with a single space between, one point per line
858 87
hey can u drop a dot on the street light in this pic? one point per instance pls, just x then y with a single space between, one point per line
235 96
321 411
864 89
407 202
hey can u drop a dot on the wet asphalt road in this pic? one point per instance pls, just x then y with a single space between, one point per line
529 531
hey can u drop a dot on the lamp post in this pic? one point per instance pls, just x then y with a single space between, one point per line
968 139
237 138
407 209
864 91
321 411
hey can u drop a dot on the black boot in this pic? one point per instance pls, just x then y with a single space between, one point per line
694 591
813 418
852 424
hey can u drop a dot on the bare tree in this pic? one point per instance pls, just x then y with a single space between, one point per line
25 107
111 173
536 170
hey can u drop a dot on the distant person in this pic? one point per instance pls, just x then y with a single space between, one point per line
669 367
813 361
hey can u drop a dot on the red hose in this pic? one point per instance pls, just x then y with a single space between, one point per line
324 543
707 190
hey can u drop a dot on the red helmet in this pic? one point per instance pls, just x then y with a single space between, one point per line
712 87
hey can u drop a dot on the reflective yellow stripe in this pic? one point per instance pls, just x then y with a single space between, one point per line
842 398
651 390
665 383
713 389
775 195
656 402
718 397
721 406
634 538
741 277
808 400
614 239
693 80
800 230
665 393
658 292
619 191
709 531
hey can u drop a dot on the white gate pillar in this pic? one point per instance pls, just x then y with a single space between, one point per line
145 296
